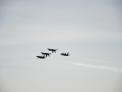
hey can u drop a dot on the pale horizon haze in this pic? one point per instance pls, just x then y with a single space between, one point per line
88 29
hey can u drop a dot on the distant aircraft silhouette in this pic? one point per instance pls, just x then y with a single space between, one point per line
52 50
65 54
49 52
41 57
45 54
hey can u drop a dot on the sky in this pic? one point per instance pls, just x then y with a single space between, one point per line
88 29
91 29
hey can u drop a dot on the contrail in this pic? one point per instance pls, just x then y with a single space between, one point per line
99 67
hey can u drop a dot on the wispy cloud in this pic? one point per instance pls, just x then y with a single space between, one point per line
103 67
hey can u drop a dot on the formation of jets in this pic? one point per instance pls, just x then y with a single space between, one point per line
50 51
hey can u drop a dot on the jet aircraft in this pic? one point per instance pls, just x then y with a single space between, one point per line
65 54
45 54
41 57
52 50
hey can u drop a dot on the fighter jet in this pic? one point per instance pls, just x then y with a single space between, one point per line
45 54
41 57
65 54
52 50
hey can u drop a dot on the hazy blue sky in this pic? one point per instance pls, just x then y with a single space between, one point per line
89 29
